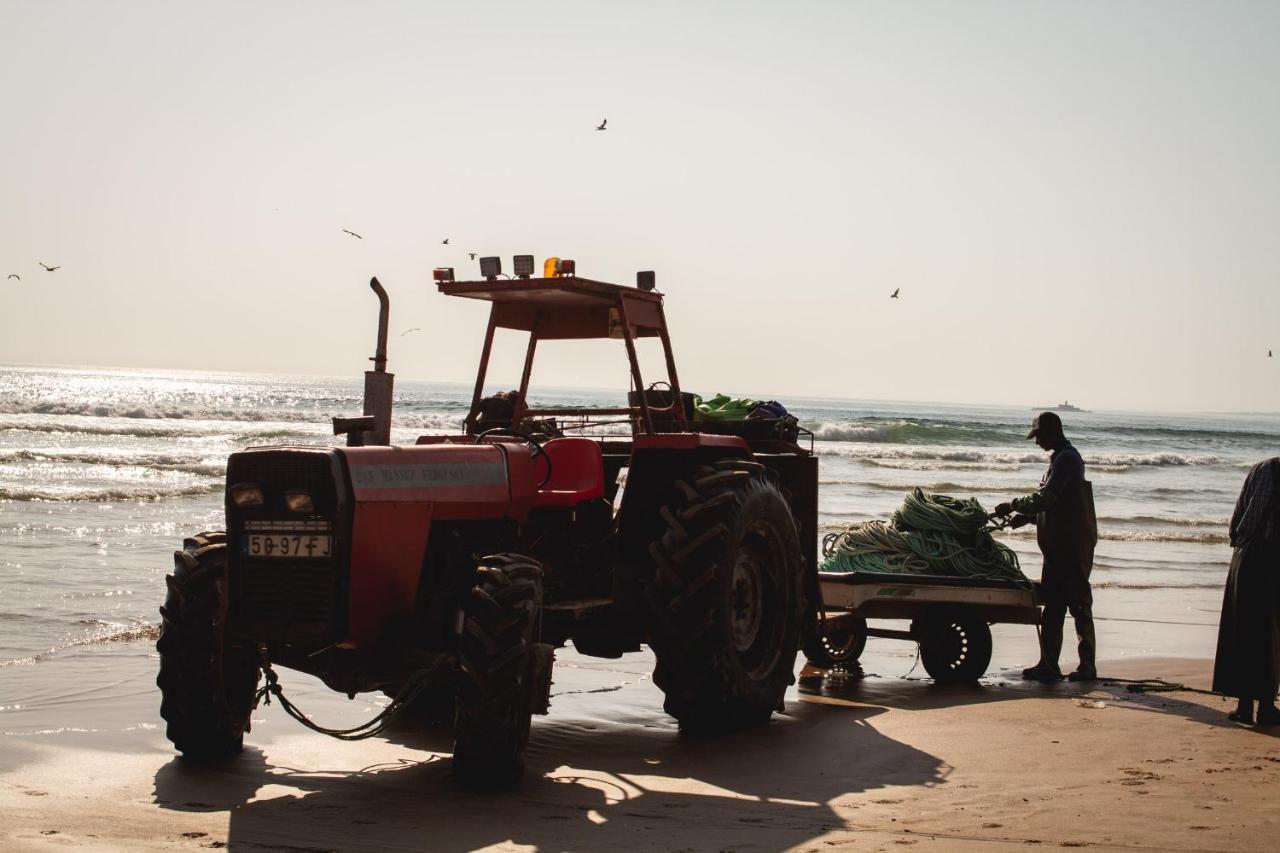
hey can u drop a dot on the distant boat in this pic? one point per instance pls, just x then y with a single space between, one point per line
1064 406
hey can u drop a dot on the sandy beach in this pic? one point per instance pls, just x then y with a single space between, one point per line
97 501
882 762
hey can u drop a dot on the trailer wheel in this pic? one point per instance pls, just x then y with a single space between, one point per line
837 646
954 649
207 685
502 617
726 598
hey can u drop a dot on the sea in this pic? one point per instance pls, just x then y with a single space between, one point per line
103 471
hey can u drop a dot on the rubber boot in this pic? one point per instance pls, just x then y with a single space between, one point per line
1243 712
1088 669
1050 645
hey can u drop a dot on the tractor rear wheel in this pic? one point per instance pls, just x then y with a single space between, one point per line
207 685
726 598
495 690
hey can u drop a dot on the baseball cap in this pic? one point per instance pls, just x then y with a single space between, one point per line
1045 420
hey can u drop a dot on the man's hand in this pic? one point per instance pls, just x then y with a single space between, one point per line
1019 521
1004 509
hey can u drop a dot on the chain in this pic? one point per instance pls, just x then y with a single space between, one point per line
413 687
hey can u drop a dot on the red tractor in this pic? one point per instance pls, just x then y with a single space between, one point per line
448 571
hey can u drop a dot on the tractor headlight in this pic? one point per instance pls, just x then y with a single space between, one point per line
246 494
523 266
299 502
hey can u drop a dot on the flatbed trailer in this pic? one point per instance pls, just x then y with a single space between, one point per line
949 617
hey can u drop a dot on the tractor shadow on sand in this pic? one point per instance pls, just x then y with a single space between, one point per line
590 784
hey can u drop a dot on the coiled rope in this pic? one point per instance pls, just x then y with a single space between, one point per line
927 535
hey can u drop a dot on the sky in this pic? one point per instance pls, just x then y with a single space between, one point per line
1076 200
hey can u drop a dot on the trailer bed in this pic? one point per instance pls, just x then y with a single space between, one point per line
871 595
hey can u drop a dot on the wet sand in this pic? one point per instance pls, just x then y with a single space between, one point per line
878 763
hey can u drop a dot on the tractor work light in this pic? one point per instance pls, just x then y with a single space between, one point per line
645 279
566 267
523 265
491 267
442 274
299 502
246 494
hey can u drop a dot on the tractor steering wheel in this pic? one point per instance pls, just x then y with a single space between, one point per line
653 386
536 449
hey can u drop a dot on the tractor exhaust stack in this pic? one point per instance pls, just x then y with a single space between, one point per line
378 384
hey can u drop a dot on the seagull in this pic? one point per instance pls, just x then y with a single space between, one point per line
602 124
444 242
472 254
407 331
352 233
48 268
894 295
19 278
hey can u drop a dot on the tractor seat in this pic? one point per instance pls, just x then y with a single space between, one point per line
577 472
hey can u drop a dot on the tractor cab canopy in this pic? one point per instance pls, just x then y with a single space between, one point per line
570 308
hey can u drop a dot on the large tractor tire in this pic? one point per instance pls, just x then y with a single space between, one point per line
495 690
838 645
726 598
955 649
206 685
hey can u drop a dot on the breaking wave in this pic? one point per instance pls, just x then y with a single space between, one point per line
1172 522
309 426
165 462
890 457
139 493
107 632
1112 535
875 431
944 487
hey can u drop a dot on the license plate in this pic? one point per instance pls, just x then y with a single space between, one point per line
288 545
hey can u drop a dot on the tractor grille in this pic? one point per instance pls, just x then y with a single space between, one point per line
295 593
287 594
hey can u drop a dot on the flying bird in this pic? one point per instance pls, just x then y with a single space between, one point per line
444 242
472 254
352 233
407 331
894 295
602 124
19 278
48 268
1268 351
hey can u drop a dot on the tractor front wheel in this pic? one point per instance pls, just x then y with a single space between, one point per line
495 690
206 684
725 601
